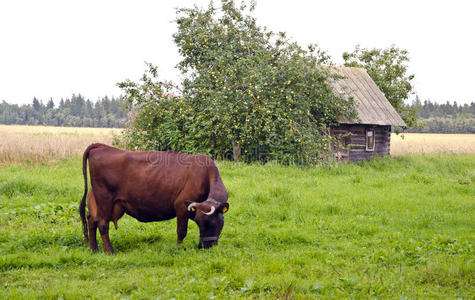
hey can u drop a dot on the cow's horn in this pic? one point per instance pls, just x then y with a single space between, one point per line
190 207
211 211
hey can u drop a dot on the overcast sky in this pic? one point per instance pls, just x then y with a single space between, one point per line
57 48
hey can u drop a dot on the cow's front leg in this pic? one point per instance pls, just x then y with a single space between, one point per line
182 226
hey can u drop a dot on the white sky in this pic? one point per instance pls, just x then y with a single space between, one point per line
57 48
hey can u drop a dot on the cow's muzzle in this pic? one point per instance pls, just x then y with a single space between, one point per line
208 242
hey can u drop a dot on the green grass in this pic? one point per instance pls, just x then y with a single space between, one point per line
388 228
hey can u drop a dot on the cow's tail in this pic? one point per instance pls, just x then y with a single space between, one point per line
82 205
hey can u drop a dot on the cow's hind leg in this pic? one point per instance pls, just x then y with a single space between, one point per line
103 224
92 220
105 204
92 234
104 230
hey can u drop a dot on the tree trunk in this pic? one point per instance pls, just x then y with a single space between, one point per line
236 151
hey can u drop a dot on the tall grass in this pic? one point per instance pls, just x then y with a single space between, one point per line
389 228
430 143
20 143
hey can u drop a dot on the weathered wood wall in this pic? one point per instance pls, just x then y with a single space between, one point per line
353 137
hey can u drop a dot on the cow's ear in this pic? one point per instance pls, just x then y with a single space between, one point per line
224 207
187 204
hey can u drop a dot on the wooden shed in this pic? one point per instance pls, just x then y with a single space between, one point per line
370 135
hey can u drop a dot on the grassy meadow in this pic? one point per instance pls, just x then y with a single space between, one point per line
399 227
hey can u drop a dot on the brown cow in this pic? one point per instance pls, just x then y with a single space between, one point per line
152 186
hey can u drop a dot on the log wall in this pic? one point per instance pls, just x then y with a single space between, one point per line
353 138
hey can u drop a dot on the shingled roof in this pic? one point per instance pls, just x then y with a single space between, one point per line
371 104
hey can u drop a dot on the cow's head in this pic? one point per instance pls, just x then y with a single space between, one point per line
209 217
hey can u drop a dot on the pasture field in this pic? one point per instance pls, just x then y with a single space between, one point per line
399 227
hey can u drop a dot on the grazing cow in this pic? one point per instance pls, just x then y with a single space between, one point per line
151 186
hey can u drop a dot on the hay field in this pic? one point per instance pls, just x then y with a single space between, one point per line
20 143
432 143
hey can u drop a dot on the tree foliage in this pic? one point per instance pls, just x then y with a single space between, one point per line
444 118
388 69
246 89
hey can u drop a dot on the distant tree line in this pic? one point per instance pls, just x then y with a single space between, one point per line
444 118
76 112
110 112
